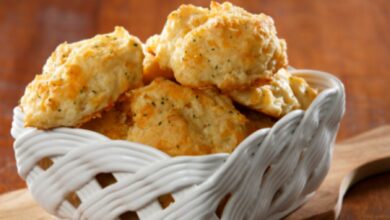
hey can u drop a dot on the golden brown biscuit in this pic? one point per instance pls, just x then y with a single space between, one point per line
184 121
225 46
277 97
113 123
303 91
179 23
81 79
152 69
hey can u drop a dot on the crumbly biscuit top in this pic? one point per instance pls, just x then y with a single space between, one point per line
223 46
278 96
184 121
82 78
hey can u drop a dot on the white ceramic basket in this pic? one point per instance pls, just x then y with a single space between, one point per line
271 173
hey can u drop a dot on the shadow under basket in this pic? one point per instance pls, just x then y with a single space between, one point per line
79 174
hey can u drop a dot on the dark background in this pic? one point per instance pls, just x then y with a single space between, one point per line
349 38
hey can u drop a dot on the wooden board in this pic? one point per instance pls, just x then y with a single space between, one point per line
19 205
354 159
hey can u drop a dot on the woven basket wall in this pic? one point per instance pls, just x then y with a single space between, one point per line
270 173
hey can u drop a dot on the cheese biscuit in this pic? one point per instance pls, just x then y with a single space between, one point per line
81 79
184 121
224 47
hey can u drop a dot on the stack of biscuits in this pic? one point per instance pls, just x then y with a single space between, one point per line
212 77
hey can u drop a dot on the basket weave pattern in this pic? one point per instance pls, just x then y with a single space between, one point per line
270 173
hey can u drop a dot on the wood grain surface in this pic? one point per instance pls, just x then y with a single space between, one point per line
350 38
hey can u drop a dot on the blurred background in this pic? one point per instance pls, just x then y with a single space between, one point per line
349 38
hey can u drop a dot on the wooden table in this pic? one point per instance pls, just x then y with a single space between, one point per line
349 38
